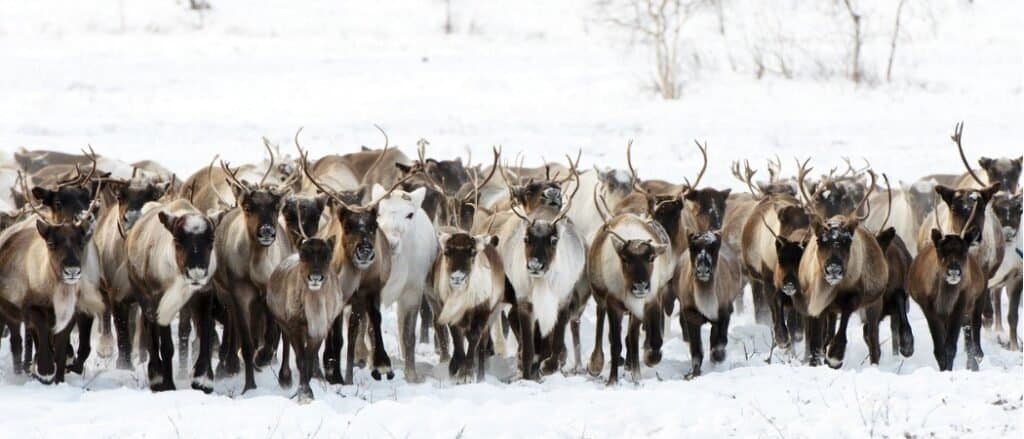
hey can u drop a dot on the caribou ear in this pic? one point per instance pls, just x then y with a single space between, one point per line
321 201
493 240
725 193
167 220
1017 161
44 195
763 187
972 235
817 225
377 192
885 238
443 237
365 148
617 242
947 193
986 163
418 195
659 248
43 228
936 237
988 192
404 168
690 195
215 216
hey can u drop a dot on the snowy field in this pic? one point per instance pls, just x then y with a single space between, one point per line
149 79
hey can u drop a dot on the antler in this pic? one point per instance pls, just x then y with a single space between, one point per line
801 175
232 176
383 152
576 177
270 167
28 198
747 176
774 169
867 197
304 162
970 219
573 165
888 210
635 179
704 153
957 136
478 185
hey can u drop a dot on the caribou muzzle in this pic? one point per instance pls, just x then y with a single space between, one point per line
954 274
71 275
641 289
315 281
365 254
458 278
834 271
266 235
552 197
534 267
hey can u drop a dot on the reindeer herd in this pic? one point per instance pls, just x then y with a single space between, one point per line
293 256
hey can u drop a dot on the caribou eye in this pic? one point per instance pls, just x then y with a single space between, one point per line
408 216
554 239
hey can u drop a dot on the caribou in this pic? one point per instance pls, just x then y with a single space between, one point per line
543 257
305 298
170 258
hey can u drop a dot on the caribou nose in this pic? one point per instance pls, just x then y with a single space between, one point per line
364 254
641 289
833 273
195 275
954 276
534 266
266 234
788 288
553 196
72 272
315 281
457 278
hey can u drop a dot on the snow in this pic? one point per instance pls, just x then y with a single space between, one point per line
148 79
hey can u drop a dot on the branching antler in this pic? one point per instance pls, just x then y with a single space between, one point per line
866 200
704 153
747 176
957 137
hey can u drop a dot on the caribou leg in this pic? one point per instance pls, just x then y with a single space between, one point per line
615 341
596 364
1013 315
202 312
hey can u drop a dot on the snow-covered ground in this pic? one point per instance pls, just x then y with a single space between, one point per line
150 79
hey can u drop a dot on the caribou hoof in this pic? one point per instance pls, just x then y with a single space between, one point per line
718 354
834 363
304 395
382 371
972 363
105 348
412 377
203 384
612 381
693 374
264 356
596 364
549 366
43 378
652 357
284 378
